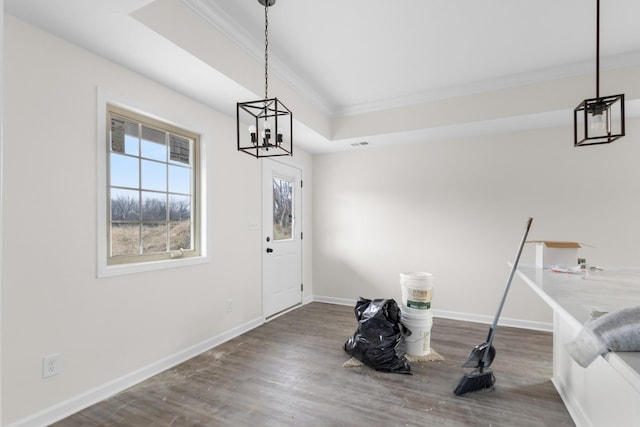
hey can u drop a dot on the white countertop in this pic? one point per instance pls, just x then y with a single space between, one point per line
576 296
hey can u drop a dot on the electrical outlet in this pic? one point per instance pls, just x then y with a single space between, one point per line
51 365
229 305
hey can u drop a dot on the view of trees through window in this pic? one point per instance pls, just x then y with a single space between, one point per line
126 235
282 209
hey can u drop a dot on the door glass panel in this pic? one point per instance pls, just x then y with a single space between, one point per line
282 208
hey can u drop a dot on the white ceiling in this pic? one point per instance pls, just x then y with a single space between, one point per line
355 56
358 55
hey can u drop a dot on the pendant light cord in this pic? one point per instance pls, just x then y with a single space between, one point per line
597 48
266 49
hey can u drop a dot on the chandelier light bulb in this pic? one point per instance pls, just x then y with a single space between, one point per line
598 122
252 132
266 133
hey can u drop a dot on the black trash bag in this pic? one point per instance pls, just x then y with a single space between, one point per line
379 341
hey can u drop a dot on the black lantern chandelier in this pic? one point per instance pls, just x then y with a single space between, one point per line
598 120
265 127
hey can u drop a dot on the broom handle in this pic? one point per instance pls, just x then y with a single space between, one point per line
506 291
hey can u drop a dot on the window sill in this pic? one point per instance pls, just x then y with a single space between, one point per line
121 269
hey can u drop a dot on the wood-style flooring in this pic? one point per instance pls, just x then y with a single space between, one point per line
289 372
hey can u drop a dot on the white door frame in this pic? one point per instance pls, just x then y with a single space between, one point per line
268 167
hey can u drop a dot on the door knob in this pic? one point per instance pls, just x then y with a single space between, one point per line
269 250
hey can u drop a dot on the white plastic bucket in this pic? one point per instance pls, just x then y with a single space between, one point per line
417 289
419 324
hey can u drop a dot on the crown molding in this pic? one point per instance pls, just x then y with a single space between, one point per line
504 82
216 16
223 22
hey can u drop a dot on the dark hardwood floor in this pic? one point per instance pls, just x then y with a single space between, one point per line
289 372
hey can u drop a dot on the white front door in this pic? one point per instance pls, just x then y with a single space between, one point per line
281 237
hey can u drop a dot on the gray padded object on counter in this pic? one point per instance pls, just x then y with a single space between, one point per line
615 331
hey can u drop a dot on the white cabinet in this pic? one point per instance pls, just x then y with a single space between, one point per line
607 392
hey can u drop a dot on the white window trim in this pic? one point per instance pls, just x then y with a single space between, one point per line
105 97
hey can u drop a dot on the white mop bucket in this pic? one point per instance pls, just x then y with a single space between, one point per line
417 289
419 322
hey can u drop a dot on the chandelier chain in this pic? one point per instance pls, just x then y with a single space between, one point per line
266 49
597 48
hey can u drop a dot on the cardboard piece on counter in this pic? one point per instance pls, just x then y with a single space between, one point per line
551 252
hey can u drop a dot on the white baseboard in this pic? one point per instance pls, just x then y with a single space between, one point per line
332 300
90 397
477 318
504 321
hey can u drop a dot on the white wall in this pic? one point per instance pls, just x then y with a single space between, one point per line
457 209
111 328
1 180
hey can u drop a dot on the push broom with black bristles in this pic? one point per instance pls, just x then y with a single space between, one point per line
481 357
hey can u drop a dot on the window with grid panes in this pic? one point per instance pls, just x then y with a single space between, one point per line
152 180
